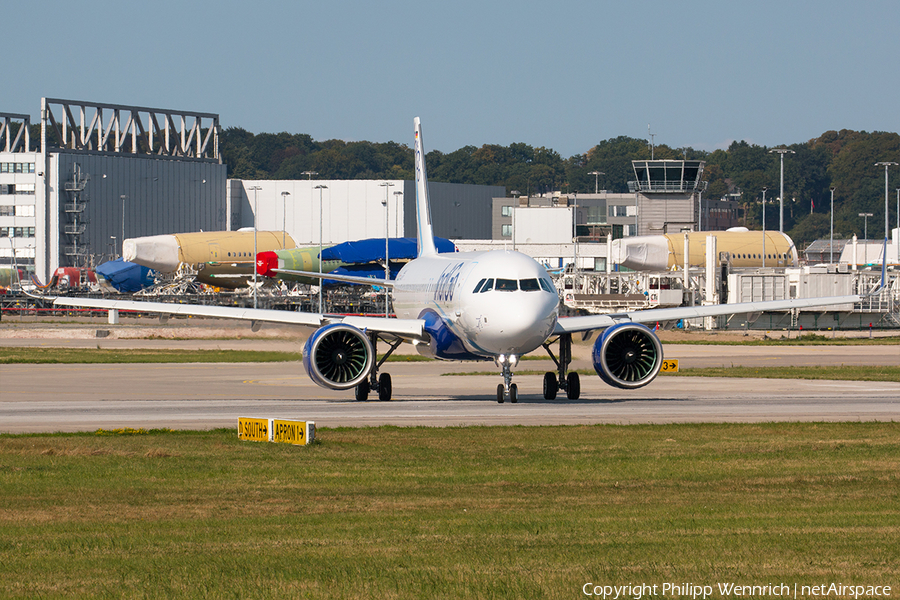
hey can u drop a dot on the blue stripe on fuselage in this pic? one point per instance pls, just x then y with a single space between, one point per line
444 343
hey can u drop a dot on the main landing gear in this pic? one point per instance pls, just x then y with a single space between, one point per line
377 383
570 383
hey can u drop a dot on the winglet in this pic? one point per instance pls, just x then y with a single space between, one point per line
424 232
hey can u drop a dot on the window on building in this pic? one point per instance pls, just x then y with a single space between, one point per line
506 230
9 167
506 211
596 215
7 211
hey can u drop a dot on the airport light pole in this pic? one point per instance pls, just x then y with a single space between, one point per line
255 189
782 152
387 267
831 238
321 219
309 174
596 175
575 243
764 225
865 217
887 226
284 196
123 197
398 197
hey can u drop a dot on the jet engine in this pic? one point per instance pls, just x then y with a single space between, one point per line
338 357
627 356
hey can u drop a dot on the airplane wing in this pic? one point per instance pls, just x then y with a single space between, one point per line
655 315
404 328
338 277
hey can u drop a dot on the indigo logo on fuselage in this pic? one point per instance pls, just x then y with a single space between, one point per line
446 284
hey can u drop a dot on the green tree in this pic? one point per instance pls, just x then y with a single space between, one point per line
810 228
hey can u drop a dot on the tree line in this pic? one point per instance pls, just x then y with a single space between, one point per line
842 159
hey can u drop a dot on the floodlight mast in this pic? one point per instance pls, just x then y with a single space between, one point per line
887 226
782 152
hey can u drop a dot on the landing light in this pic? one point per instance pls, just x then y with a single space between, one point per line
513 360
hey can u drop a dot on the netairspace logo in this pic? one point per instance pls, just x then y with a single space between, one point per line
702 592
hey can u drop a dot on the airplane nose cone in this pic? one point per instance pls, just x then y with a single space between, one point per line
158 252
519 325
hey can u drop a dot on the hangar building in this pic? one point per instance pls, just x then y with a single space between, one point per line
101 173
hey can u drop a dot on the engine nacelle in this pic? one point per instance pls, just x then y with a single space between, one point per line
627 356
338 357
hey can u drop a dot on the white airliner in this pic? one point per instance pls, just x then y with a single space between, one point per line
495 306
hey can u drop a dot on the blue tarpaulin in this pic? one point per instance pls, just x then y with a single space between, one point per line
371 250
126 276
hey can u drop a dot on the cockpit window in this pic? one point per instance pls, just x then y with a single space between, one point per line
507 285
488 286
478 287
548 286
529 285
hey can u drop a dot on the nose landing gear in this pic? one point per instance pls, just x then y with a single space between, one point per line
507 388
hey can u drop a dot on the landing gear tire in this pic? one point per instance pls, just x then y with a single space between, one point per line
551 386
513 393
362 391
500 393
573 386
384 387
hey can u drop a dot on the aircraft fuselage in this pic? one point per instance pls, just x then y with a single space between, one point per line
480 304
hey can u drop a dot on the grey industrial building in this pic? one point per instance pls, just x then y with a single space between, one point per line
104 172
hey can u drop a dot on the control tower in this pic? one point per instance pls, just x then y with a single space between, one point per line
667 193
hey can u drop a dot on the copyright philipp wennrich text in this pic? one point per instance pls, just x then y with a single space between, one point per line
693 590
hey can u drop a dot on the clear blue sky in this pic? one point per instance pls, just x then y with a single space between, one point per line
560 74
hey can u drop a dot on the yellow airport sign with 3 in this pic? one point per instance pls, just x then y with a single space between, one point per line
669 366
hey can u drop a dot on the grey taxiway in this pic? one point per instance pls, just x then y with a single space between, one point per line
78 397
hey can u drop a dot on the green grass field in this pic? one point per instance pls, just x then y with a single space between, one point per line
479 512
29 355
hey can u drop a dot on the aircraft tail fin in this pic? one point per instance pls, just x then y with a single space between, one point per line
424 230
